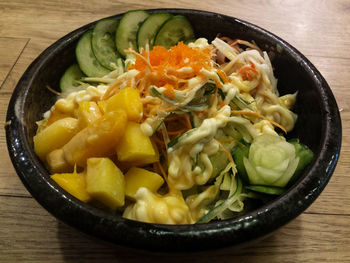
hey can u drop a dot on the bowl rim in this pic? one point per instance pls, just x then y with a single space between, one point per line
159 237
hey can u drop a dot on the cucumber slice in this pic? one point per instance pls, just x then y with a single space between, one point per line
149 29
70 77
305 157
271 190
127 30
238 153
86 58
103 44
174 30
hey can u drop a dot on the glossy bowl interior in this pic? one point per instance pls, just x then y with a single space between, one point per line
318 126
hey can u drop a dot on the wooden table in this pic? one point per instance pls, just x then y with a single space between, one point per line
319 29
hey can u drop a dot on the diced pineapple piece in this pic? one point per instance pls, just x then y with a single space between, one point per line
136 147
55 136
129 100
97 139
105 182
88 112
57 163
74 183
138 177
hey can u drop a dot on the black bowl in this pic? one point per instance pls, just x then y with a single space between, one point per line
318 126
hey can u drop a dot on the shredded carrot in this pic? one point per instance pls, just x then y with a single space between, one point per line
169 108
247 72
223 76
222 104
177 124
163 172
218 84
138 55
232 42
205 111
169 91
228 155
188 121
158 141
253 113
253 66
227 39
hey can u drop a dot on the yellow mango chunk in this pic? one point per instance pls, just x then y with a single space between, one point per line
88 112
97 139
57 163
105 182
55 136
136 147
57 115
74 183
129 100
138 177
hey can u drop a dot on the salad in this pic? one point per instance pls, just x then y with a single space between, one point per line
160 127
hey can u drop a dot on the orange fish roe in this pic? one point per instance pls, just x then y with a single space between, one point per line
164 61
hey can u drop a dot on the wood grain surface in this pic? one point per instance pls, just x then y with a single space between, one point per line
319 29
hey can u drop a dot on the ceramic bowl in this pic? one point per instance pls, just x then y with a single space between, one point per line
318 126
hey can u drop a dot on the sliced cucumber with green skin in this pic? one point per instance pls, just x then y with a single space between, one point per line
70 77
305 157
271 190
173 31
126 33
149 29
238 153
86 58
103 43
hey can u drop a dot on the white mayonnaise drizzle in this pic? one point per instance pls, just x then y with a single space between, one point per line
153 208
201 140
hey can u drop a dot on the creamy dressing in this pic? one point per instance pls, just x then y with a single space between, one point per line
281 115
149 126
200 141
69 103
153 208
200 42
